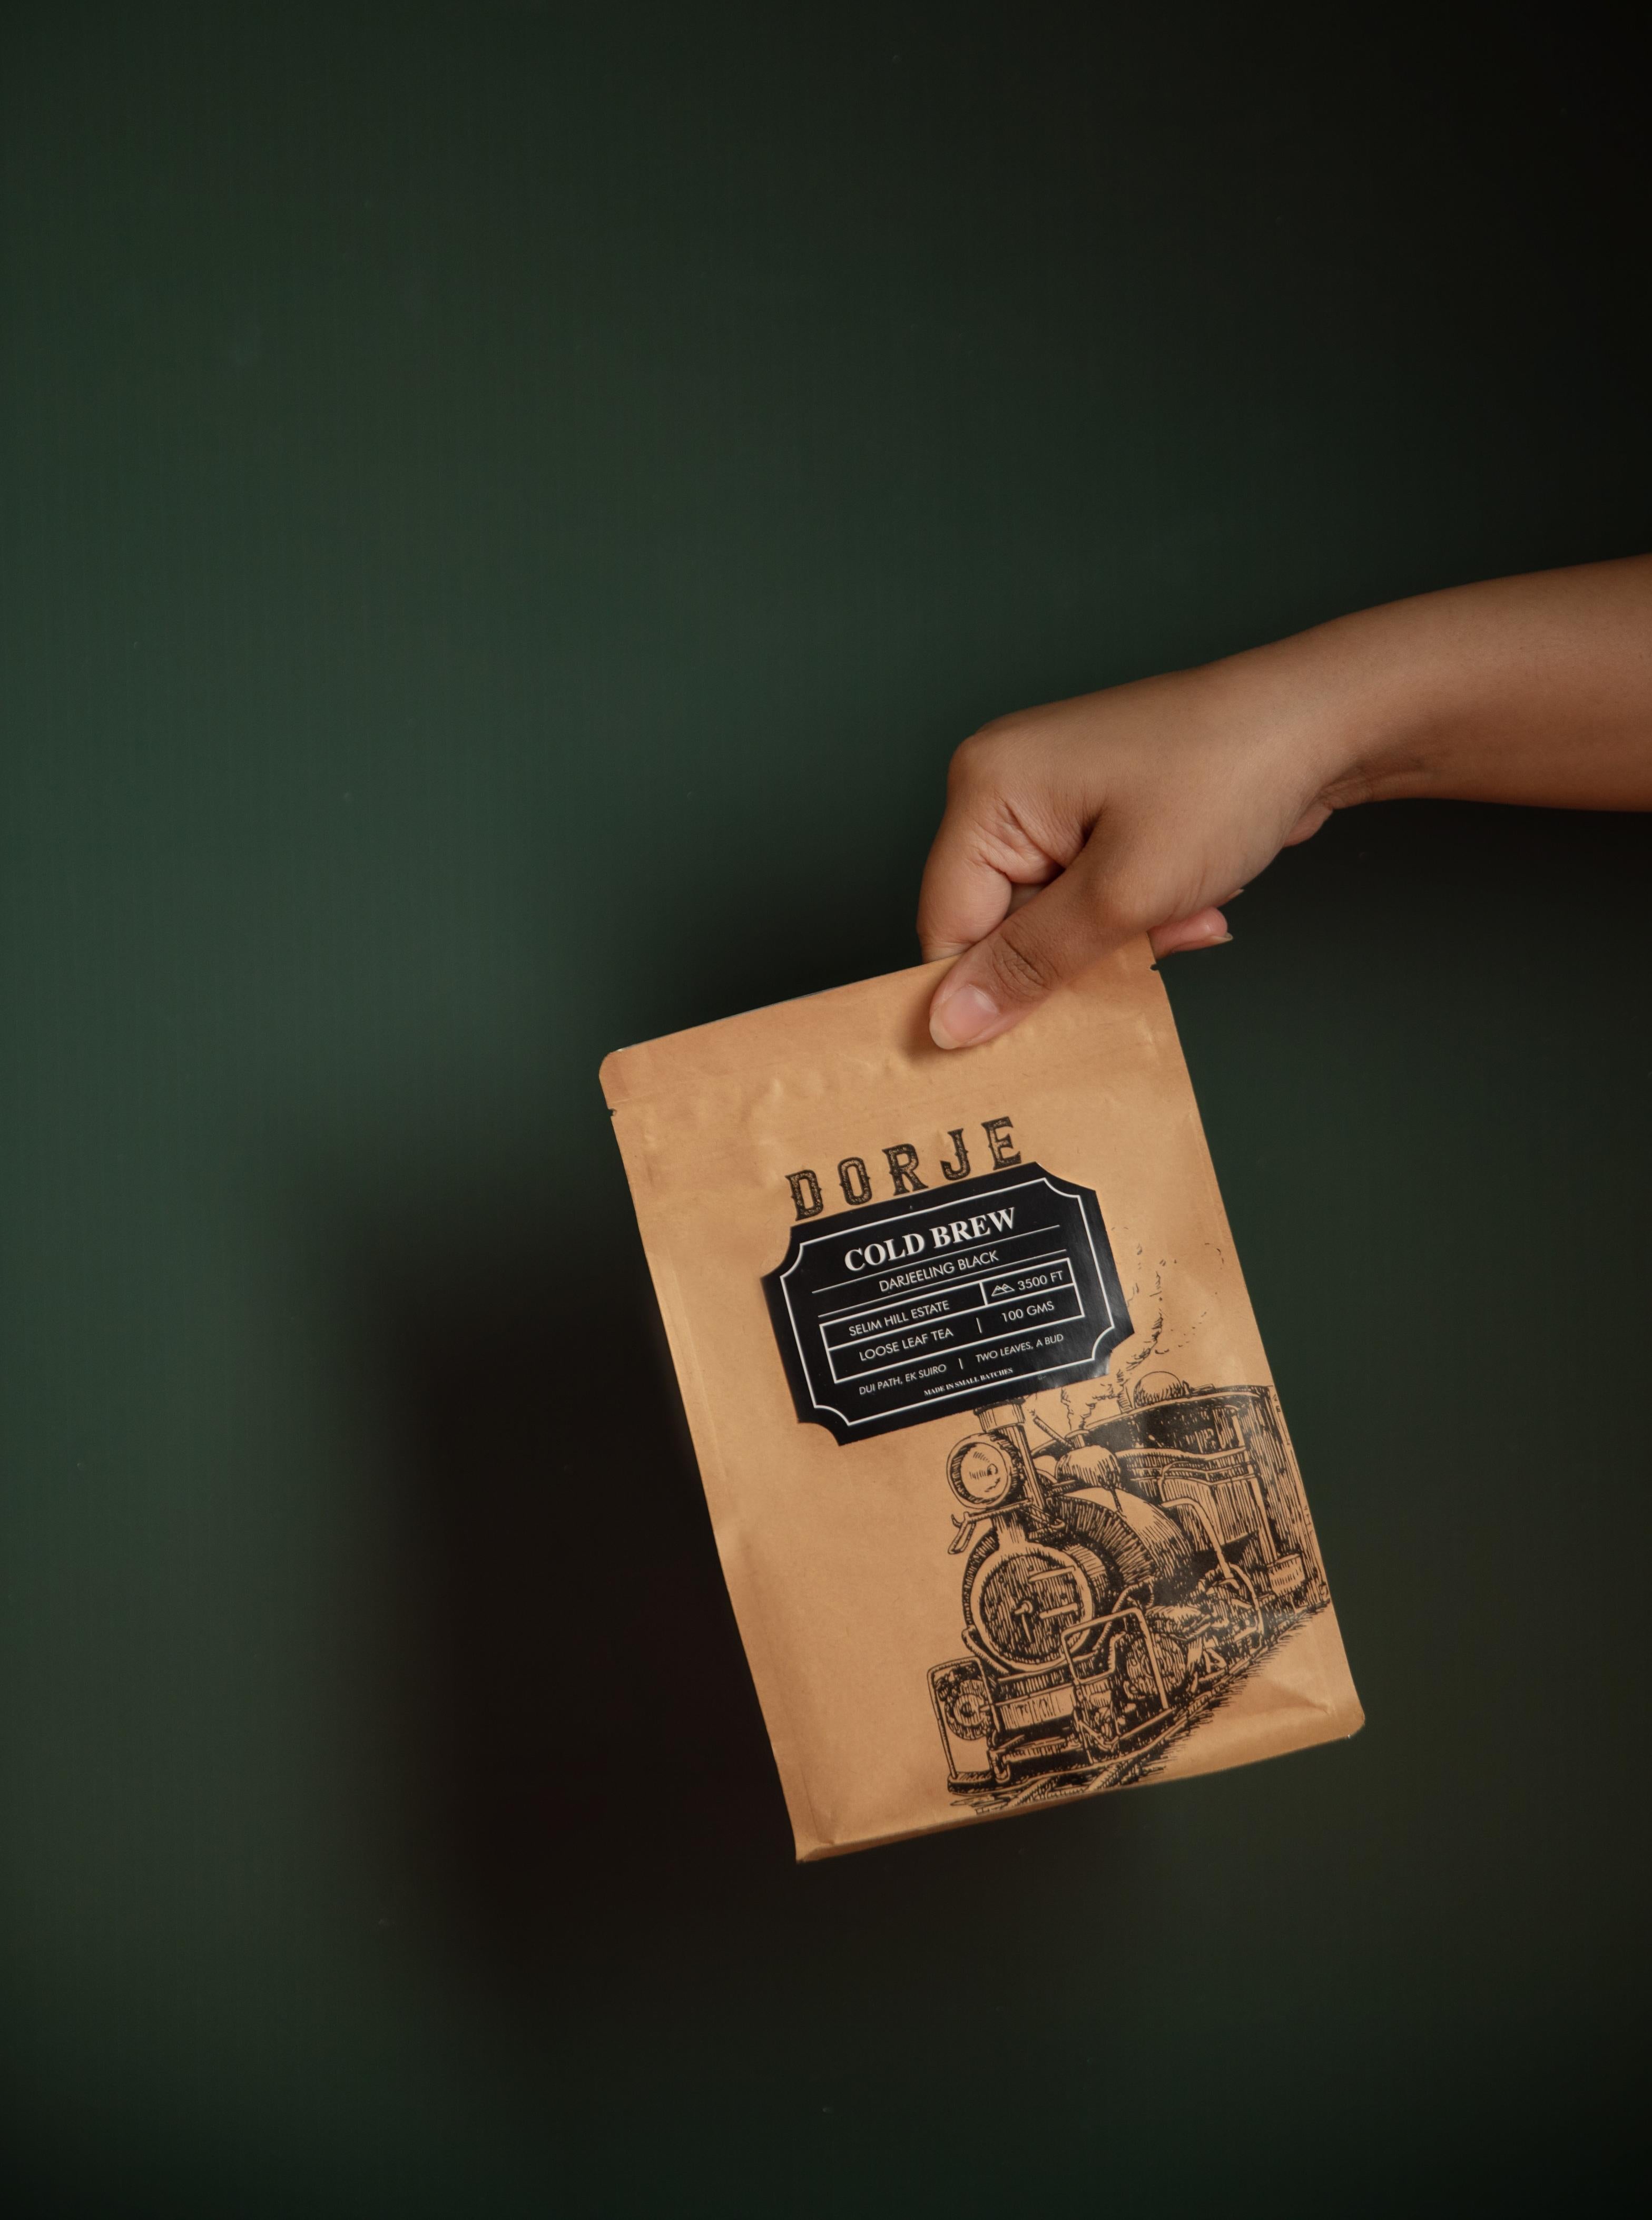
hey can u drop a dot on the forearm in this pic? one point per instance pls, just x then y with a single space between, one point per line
1534 689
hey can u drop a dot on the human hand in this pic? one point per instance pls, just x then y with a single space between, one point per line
1072 828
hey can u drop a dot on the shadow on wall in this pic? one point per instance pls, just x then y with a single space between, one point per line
578 1723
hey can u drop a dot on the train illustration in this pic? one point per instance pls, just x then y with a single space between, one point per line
1118 1581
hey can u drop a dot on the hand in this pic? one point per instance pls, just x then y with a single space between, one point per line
1073 828
1141 810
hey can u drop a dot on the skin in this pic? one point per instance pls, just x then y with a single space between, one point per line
1072 828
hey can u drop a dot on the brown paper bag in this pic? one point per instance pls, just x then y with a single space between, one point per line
1003 1494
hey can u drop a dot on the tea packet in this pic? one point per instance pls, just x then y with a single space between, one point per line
1001 1484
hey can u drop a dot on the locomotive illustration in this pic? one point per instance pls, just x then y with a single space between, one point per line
1118 1581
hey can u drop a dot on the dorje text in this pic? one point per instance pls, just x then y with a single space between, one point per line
808 1198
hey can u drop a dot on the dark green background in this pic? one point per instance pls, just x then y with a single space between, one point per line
505 511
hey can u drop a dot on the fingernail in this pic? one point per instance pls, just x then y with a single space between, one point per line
961 1016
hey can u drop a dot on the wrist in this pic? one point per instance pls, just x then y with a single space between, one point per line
1355 708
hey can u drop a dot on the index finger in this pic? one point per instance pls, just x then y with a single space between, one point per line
977 873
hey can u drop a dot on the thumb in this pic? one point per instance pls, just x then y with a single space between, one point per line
1058 934
993 984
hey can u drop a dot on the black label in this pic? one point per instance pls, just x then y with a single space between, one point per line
899 1311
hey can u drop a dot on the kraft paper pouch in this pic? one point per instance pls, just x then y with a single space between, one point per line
1003 1494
